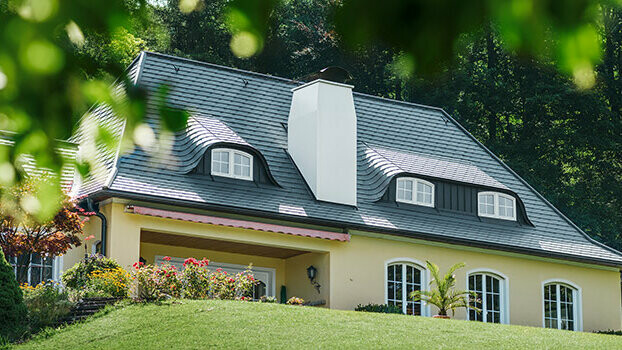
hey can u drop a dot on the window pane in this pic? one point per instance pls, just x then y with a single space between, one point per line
394 285
424 193
220 162
241 165
475 285
36 259
506 207
487 204
405 190
413 283
35 275
47 273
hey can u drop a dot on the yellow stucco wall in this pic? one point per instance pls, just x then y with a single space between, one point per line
357 273
353 273
298 283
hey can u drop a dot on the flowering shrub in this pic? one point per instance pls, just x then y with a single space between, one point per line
195 279
194 282
267 299
156 282
46 304
238 286
295 301
168 280
145 283
77 277
109 283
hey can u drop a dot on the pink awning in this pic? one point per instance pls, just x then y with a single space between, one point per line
251 225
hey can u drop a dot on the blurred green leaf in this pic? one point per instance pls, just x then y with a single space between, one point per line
173 119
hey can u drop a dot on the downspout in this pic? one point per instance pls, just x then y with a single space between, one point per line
94 208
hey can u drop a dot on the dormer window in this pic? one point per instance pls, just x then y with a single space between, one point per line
232 163
496 205
415 191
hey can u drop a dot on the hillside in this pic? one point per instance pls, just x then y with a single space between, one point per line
225 324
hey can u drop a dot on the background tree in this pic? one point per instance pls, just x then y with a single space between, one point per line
22 234
515 73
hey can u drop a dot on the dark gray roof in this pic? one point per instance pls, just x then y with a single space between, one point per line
393 137
380 164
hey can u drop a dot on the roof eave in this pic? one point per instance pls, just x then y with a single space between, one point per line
109 193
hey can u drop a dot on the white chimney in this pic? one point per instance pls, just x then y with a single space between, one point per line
322 139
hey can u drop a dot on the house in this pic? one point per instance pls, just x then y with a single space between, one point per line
311 179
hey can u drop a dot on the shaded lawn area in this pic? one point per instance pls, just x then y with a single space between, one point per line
190 324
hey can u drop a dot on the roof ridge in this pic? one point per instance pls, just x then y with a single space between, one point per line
289 80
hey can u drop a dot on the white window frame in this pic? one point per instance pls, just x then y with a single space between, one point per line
504 291
496 205
577 306
425 282
414 191
231 174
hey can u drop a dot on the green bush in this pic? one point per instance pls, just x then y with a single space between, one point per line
12 309
381 308
47 303
78 276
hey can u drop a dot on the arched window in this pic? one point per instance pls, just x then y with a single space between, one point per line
232 163
403 278
496 205
562 306
491 290
415 191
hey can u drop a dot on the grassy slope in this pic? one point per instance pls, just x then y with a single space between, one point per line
225 324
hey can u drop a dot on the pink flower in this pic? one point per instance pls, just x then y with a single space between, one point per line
89 238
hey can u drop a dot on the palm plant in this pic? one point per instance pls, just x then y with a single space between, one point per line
444 296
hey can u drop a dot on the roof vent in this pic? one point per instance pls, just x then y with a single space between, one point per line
332 73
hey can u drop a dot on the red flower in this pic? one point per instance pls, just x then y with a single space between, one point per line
166 258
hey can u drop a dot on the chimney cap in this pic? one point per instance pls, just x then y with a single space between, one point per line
330 73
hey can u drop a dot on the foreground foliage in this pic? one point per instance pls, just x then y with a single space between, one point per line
192 324
24 233
96 276
12 308
47 303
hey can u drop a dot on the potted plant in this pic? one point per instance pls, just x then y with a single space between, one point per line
444 296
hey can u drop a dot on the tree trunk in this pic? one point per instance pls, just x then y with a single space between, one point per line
492 75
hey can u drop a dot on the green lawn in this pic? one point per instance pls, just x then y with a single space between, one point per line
189 324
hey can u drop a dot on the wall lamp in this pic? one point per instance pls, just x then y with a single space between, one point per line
312 274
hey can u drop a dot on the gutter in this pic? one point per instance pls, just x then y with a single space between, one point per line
89 205
107 193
